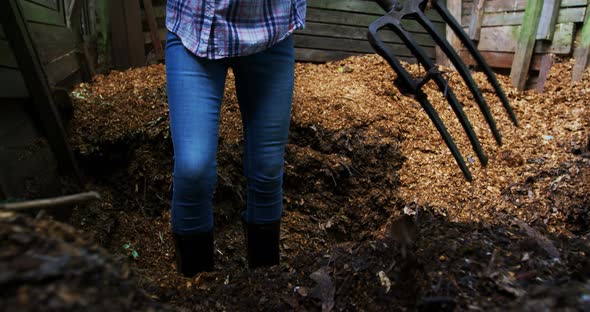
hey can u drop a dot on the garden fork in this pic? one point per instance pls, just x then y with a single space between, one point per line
414 10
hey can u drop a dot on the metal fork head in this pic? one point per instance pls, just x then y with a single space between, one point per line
414 10
408 85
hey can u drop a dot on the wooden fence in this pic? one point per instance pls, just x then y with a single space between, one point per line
37 53
337 29
334 30
523 35
58 53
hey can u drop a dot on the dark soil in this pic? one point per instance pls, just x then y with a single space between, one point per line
50 266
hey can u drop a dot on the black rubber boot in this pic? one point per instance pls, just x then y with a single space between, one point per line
263 244
194 253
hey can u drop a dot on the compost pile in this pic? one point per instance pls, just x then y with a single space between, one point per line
377 214
49 266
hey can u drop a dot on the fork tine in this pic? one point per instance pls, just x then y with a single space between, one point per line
408 83
423 58
458 30
446 47
423 100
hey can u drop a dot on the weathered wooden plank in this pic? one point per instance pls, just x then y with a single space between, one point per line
320 56
127 42
12 84
341 31
573 3
118 39
134 32
454 7
162 33
40 14
52 4
91 11
103 42
347 5
51 41
562 43
476 20
526 44
336 17
350 45
501 38
317 16
151 18
546 63
33 74
520 5
7 56
548 19
511 10
159 12
504 39
582 52
581 56
358 19
62 68
566 15
500 59
311 55
367 7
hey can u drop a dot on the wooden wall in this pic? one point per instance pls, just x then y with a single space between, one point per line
126 34
501 25
12 84
337 29
55 44
28 168
334 30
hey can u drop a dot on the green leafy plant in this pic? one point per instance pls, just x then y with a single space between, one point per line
130 251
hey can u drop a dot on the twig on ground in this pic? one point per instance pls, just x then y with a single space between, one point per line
50 202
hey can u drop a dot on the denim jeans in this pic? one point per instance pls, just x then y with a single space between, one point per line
264 87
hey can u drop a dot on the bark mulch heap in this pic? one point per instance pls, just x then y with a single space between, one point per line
50 266
377 214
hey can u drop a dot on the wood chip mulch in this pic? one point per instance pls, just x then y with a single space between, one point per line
360 154
553 126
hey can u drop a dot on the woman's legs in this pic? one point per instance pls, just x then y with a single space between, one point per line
195 91
264 85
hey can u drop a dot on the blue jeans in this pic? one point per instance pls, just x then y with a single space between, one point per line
264 87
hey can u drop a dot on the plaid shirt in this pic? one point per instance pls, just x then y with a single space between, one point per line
217 29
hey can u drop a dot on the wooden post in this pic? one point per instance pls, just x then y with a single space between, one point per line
583 49
92 18
476 19
127 36
548 21
526 44
103 42
74 21
17 33
546 63
454 7
151 19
